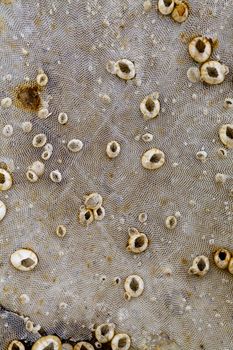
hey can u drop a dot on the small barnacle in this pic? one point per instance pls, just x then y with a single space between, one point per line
213 72
113 149
6 102
150 106
61 231
42 79
43 113
111 67
47 342
98 345
93 201
5 180
37 167
39 140
222 153
166 6
193 74
142 217
31 176
220 178
8 130
228 103
121 342
83 345
24 259
171 222
134 287
16 345
200 49
201 155
147 137
230 266
222 257
181 11
75 145
137 242
46 155
99 213
147 5
105 332
125 69
24 299
55 176
153 159
226 135
85 216
200 266
62 118
2 210
26 127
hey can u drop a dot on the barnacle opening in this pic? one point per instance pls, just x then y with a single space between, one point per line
201 265
87 215
213 73
104 330
49 347
134 285
15 347
27 262
222 255
181 9
124 67
139 242
113 147
167 3
200 45
122 342
150 105
229 132
2 178
99 211
155 158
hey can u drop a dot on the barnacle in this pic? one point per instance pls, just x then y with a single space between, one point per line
24 259
5 180
83 345
47 342
134 286
125 69
113 149
16 345
105 332
121 342
222 258
2 210
166 6
181 11
150 106
213 72
39 140
137 242
200 266
200 49
226 135
153 159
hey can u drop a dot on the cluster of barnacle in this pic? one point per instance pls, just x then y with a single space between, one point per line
211 72
6 182
92 209
178 9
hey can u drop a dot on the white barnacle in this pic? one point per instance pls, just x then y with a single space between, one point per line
46 155
85 216
220 178
99 213
142 217
24 299
2 210
111 67
137 242
43 113
5 180
222 153
166 6
55 176
121 341
200 266
228 103
226 135
24 259
26 126
147 137
181 11
200 49
75 145
39 140
222 258
83 345
47 342
153 159
230 266
113 149
31 176
213 72
93 200
42 79
6 102
125 69
61 231
37 167
147 5
134 287
171 222
8 130
202 156
150 106
105 332
16 345
193 74
62 118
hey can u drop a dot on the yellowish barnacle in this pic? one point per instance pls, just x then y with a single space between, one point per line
37 167
55 176
228 103
75 145
213 72
181 11
121 342
2 210
222 257
93 201
26 126
153 159
42 79
85 216
99 213
6 102
16 345
200 49
24 259
83 345
230 266
193 74
62 118
113 149
137 242
61 231
47 342
150 106
134 287
105 332
31 176
200 266
39 140
220 178
5 180
43 113
226 135
166 6
171 222
202 156
125 69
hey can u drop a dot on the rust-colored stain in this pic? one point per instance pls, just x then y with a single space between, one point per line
184 262
27 96
109 259
6 2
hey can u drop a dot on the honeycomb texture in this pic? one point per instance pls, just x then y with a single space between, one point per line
72 41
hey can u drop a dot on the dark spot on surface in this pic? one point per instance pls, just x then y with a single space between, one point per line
27 262
2 178
122 342
167 3
155 158
124 67
87 215
28 97
15 347
83 347
200 45
99 211
49 347
222 256
113 147
104 330
139 241
134 285
213 73
201 265
229 132
150 105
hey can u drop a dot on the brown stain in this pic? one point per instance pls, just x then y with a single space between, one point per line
27 96
6 2
109 259
37 21
184 261
164 202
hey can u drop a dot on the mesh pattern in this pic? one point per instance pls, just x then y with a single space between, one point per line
71 43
